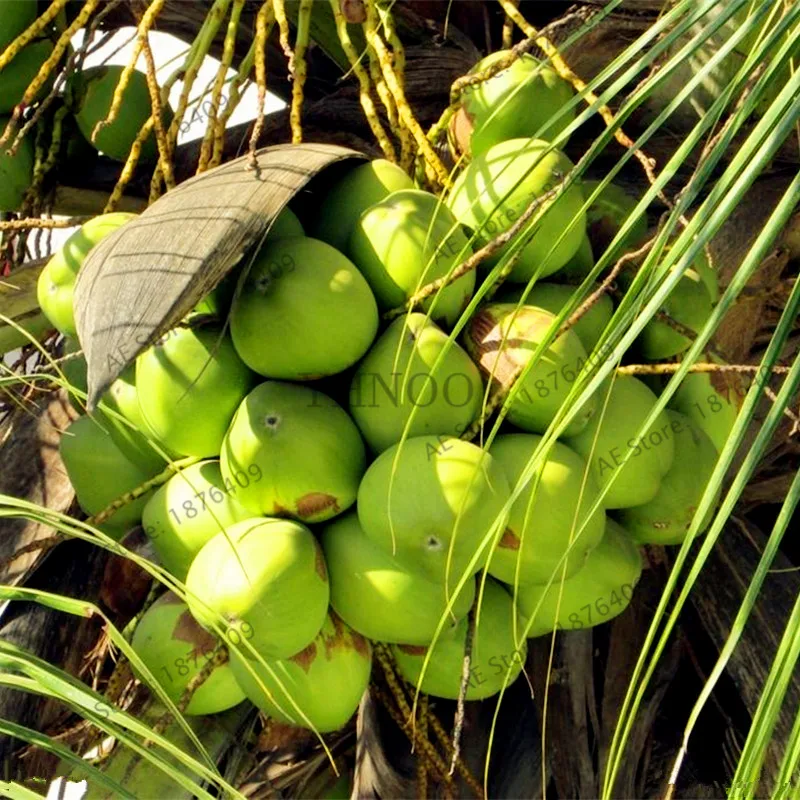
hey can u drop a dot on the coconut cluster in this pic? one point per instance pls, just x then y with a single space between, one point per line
335 500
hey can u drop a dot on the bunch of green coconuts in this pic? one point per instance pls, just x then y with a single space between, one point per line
334 503
88 94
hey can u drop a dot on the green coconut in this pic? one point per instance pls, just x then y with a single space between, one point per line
16 16
218 301
16 172
496 188
553 297
285 226
318 688
268 580
503 337
121 398
712 400
397 377
517 102
498 652
305 311
194 383
19 74
304 455
718 78
56 286
607 214
131 433
404 243
690 303
353 194
93 92
600 591
378 596
552 523
100 472
667 517
612 434
76 373
580 265
436 503
188 510
176 649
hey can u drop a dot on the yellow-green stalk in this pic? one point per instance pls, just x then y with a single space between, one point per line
206 148
300 68
362 75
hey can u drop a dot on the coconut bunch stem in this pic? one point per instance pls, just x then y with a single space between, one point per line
53 151
404 715
44 544
140 491
265 20
398 55
218 658
563 69
382 90
164 151
206 149
406 118
45 160
28 35
365 89
31 204
434 763
38 222
189 71
300 68
422 767
497 398
283 32
128 169
671 369
16 47
508 27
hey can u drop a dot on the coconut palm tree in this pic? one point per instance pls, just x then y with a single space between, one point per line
692 108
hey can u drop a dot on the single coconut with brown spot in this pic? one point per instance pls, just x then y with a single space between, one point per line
308 453
557 519
503 338
667 517
320 687
176 649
